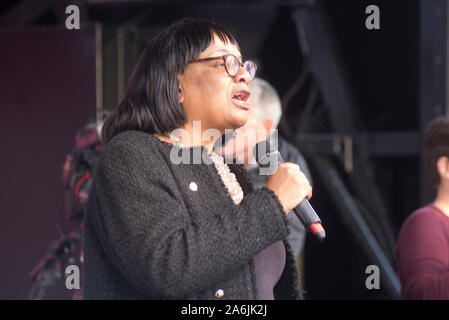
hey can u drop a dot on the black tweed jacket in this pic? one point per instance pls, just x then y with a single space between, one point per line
156 230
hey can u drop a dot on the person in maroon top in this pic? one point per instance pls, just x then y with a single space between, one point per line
422 252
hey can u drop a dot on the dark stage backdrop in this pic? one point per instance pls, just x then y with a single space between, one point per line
47 92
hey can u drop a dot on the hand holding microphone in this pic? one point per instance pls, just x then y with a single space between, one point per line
290 186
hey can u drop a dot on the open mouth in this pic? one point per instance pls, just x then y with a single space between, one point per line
240 98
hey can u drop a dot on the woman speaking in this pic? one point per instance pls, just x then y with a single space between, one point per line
156 229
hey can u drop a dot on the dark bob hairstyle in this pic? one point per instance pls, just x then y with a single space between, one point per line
151 102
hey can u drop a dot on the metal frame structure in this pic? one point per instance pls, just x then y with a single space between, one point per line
315 40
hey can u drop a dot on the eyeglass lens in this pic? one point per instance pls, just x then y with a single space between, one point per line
233 65
251 68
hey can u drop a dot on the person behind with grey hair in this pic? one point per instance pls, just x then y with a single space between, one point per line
266 112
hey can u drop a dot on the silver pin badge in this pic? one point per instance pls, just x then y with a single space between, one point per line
193 186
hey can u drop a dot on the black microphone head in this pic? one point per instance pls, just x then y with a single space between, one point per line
267 157
261 150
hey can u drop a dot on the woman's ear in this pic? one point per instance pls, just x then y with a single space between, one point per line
180 91
443 168
180 96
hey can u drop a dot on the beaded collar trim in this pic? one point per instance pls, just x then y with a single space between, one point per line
229 179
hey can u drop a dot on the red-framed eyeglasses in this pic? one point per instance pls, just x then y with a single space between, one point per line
232 64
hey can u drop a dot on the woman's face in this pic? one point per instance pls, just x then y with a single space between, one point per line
209 94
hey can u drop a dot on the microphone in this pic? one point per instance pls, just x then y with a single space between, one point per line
268 159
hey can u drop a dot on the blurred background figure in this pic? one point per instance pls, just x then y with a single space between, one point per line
265 114
77 172
423 244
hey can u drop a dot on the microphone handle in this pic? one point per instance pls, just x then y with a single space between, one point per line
309 219
306 214
304 211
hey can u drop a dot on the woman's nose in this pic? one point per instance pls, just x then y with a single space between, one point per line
242 76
